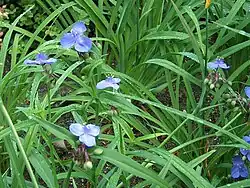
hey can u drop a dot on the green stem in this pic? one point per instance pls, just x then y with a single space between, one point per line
52 150
137 31
49 104
97 112
1 180
221 8
10 123
66 181
96 98
206 52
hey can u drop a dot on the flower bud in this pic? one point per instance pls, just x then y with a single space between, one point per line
129 100
88 165
206 80
47 68
210 82
212 86
233 103
230 83
229 100
98 151
236 109
77 162
99 46
217 85
226 96
244 158
244 100
85 56
112 112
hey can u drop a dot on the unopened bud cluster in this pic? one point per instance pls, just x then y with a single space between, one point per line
215 80
236 102
81 157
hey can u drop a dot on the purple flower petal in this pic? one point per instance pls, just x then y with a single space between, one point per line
113 80
247 139
88 140
41 59
109 82
237 160
243 171
248 156
83 44
103 84
235 172
218 63
31 62
115 86
212 65
78 28
224 66
49 61
68 40
41 56
247 91
116 80
92 130
239 169
244 151
76 129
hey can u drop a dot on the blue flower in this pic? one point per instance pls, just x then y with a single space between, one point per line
109 82
247 91
246 152
86 133
41 59
76 38
239 169
218 63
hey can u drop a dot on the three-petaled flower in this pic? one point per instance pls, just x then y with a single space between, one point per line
247 91
76 38
41 59
239 169
218 63
109 82
246 152
86 133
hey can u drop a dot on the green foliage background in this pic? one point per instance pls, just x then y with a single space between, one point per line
164 128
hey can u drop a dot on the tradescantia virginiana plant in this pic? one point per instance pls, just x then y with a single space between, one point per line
160 127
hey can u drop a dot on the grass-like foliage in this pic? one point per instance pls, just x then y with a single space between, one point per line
157 98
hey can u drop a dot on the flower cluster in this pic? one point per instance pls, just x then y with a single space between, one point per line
214 78
74 38
237 102
246 152
41 59
218 63
109 82
239 169
86 133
